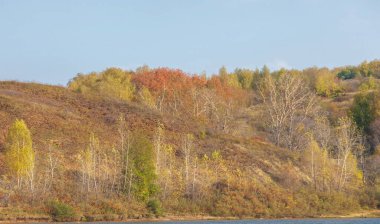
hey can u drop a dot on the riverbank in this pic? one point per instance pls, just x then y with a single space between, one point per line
115 218
360 214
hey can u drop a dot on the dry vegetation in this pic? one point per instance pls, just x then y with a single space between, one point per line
153 142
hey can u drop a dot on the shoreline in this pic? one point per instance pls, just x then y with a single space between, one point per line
366 214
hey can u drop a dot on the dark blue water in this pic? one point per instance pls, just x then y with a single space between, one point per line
260 221
292 221
295 221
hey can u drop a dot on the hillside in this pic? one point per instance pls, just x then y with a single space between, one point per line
121 144
56 114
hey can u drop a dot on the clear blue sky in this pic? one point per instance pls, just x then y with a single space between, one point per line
52 41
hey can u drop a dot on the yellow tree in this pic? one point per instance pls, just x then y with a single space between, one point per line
145 97
20 156
320 165
349 143
327 84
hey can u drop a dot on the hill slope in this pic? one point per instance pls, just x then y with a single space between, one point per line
254 178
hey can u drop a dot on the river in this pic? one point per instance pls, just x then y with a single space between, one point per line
271 221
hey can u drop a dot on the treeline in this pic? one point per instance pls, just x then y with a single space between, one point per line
149 85
293 106
321 123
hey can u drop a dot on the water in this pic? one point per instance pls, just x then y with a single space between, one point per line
292 221
260 221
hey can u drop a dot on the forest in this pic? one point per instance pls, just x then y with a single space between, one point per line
159 142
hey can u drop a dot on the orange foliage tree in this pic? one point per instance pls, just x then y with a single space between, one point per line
170 87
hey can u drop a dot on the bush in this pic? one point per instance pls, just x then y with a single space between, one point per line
327 85
154 207
61 212
347 74
202 134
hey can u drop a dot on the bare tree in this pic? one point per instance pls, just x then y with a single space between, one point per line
51 166
124 150
187 147
322 132
288 103
348 142
158 143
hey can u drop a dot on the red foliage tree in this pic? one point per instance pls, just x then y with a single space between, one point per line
171 87
165 79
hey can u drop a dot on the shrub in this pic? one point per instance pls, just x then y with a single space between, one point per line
61 212
154 207
202 134
327 85
368 84
347 74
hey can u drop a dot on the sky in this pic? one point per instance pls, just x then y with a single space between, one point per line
52 41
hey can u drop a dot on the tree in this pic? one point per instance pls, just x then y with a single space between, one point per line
322 132
142 69
92 167
348 73
158 145
90 164
327 84
145 97
223 73
116 83
20 156
368 85
264 74
246 78
171 88
320 166
228 79
143 168
363 110
364 69
348 143
288 103
166 174
124 154
187 148
52 161
112 82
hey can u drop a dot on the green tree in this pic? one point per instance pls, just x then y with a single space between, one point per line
363 110
143 168
19 155
348 73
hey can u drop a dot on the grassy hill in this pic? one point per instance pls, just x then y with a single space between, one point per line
234 173
56 114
